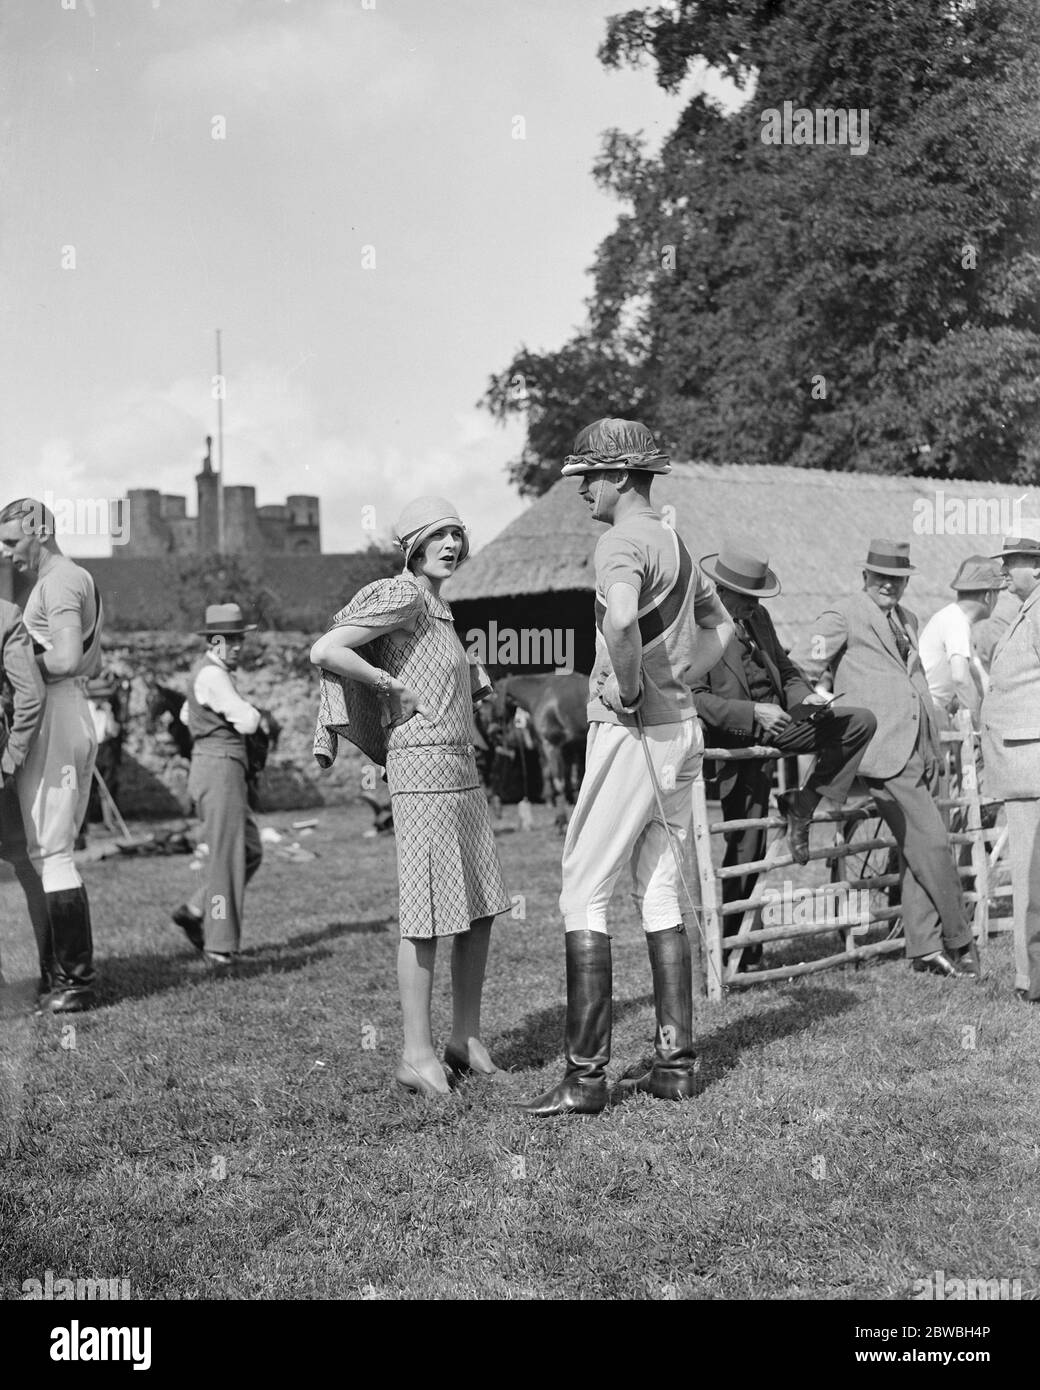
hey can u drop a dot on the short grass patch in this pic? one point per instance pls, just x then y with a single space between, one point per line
241 1138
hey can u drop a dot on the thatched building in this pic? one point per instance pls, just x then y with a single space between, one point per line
815 526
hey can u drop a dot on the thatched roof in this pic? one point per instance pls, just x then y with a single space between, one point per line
815 526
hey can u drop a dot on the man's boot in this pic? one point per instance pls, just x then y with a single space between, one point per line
69 912
798 807
671 1077
583 1090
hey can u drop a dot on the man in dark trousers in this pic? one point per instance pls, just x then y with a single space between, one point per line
756 694
21 708
220 720
869 642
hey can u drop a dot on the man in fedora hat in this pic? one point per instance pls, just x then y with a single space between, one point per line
868 642
953 671
1011 749
64 616
660 625
219 721
756 694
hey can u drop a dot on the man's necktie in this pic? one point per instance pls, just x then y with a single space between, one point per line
745 633
899 633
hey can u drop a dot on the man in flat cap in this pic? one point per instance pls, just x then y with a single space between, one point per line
660 626
1011 750
954 673
869 643
756 694
219 721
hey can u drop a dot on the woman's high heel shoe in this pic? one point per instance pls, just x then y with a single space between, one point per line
413 1081
459 1064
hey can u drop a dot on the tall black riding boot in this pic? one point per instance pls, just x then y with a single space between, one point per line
671 1077
69 912
583 1090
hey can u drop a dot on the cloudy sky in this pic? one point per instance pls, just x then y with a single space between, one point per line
348 131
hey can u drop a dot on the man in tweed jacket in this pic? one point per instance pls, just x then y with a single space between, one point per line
869 642
1011 750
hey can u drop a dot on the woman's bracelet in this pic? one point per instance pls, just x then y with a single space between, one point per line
384 682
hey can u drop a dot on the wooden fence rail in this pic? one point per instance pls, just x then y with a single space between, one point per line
849 916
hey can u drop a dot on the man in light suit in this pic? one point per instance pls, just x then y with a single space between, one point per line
1011 750
869 642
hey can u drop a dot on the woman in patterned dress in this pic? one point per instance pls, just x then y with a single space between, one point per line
396 637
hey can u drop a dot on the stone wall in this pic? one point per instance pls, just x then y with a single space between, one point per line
275 673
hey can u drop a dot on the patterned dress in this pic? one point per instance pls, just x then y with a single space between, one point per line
447 862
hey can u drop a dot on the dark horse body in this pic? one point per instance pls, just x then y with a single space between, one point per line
163 707
557 706
162 701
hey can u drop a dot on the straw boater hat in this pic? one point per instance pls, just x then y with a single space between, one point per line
1027 542
890 557
225 620
610 444
421 518
978 572
743 571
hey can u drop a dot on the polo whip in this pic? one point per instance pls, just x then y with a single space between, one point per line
694 909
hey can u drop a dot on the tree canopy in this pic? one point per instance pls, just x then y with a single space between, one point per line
809 303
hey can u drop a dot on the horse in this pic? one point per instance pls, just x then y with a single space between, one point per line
163 709
108 697
557 706
163 704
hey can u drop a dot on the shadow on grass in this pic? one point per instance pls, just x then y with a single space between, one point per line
720 1051
537 1040
141 976
334 929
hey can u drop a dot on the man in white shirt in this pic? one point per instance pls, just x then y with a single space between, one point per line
956 677
220 720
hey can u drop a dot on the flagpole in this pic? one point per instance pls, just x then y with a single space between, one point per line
220 451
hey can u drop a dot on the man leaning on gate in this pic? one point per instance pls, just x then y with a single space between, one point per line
868 641
756 694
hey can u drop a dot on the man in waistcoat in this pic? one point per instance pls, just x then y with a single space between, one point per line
660 626
64 617
219 721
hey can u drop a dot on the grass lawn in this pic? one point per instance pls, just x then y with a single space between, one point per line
241 1138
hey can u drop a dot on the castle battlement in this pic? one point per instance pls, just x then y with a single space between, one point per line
159 523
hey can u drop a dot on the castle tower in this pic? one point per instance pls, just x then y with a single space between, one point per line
241 528
148 532
207 483
304 530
